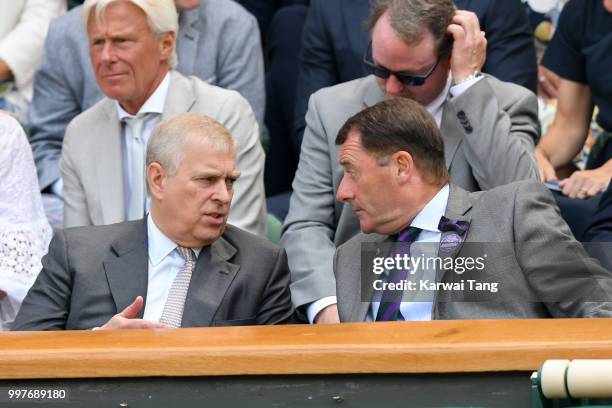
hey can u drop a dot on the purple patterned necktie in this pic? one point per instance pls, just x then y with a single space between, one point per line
389 309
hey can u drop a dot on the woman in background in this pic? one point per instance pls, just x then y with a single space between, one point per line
24 230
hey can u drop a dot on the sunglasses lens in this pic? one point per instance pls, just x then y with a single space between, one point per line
411 80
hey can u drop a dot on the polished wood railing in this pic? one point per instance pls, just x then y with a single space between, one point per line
415 347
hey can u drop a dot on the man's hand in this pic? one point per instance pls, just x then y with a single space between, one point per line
328 315
547 171
469 47
586 183
548 83
126 319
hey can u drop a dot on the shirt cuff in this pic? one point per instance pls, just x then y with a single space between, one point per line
458 89
314 308
57 188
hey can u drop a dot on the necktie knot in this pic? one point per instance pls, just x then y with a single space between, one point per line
186 253
409 235
135 123
446 225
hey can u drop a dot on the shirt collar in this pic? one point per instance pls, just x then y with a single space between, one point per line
155 103
429 217
437 103
160 246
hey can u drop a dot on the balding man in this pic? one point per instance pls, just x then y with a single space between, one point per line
181 266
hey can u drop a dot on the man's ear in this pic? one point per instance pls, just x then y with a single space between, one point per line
167 44
155 180
403 166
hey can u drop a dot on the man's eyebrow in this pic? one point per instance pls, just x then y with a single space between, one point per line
234 175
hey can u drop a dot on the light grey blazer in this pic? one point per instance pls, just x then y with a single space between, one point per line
541 270
489 133
92 273
92 164
218 42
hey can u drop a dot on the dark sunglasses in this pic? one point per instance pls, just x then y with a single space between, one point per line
382 72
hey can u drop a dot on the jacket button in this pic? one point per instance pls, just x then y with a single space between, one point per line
461 114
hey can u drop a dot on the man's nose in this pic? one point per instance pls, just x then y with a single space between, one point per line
393 86
345 192
222 193
107 54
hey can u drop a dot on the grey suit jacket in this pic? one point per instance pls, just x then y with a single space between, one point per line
92 165
489 133
92 273
541 270
218 42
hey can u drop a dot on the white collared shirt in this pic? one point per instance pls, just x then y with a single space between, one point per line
427 220
165 262
155 105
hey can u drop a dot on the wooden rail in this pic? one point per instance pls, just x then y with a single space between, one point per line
406 347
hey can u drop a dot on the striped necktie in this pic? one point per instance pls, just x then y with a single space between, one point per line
391 300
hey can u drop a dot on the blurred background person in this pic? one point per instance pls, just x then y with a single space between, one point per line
23 28
24 230
580 54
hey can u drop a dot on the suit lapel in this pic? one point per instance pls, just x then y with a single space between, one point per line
457 208
448 127
109 168
188 37
210 281
127 268
181 97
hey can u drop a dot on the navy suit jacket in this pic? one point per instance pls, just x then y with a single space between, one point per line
334 40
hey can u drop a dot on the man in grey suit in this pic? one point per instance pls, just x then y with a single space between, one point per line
501 253
102 160
431 53
217 41
181 266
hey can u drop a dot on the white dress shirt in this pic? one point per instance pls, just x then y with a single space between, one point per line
155 107
165 262
427 220
435 109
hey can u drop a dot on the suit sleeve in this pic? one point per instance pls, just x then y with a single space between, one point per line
248 209
309 229
75 202
511 54
276 305
499 136
317 65
46 305
556 265
241 61
55 102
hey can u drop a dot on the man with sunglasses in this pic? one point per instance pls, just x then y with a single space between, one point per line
428 51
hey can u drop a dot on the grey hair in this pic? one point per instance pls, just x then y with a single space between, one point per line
162 17
410 19
169 139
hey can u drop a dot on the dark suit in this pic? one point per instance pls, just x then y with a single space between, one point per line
92 273
334 40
